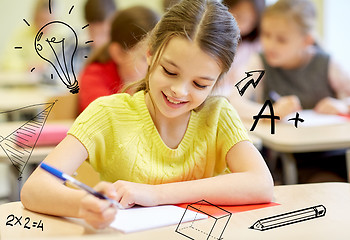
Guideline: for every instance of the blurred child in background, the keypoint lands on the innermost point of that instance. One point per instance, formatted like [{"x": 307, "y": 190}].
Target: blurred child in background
[
  {"x": 299, "y": 75},
  {"x": 98, "y": 15},
  {"x": 248, "y": 15},
  {"x": 297, "y": 69},
  {"x": 24, "y": 59},
  {"x": 122, "y": 60}
]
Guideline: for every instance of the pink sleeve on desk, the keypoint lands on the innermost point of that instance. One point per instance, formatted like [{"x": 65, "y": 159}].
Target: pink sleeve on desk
[
  {"x": 50, "y": 135},
  {"x": 214, "y": 211}
]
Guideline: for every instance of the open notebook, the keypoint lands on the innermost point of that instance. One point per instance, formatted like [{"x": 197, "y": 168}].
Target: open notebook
[{"x": 144, "y": 218}]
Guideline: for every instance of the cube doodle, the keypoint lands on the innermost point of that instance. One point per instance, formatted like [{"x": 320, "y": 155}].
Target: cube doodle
[{"x": 197, "y": 230}]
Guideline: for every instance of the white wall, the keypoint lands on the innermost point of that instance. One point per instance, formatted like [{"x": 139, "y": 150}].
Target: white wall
[{"x": 337, "y": 30}]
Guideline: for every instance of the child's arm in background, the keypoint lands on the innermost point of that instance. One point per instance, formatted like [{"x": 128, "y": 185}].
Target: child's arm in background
[
  {"x": 44, "y": 193},
  {"x": 339, "y": 79},
  {"x": 250, "y": 182}
]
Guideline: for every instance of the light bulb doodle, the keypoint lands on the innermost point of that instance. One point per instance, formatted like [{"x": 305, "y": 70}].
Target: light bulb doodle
[
  {"x": 43, "y": 39},
  {"x": 66, "y": 50},
  {"x": 19, "y": 145}
]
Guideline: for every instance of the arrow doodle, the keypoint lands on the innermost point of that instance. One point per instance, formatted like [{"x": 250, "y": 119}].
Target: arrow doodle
[{"x": 249, "y": 81}]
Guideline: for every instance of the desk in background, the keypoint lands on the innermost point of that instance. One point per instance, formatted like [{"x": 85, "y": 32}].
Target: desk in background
[
  {"x": 334, "y": 225},
  {"x": 18, "y": 91},
  {"x": 288, "y": 140}
]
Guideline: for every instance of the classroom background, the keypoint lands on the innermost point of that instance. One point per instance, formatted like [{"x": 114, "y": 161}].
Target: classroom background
[{"x": 332, "y": 17}]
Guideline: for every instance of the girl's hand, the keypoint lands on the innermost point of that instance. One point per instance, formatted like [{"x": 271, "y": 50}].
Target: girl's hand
[
  {"x": 287, "y": 105},
  {"x": 96, "y": 212},
  {"x": 330, "y": 105},
  {"x": 130, "y": 194}
]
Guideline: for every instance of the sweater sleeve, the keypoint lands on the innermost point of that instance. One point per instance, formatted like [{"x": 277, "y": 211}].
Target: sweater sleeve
[
  {"x": 230, "y": 130},
  {"x": 91, "y": 128}
]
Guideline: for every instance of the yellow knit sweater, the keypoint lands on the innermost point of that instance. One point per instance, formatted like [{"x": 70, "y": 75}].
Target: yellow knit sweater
[{"x": 124, "y": 144}]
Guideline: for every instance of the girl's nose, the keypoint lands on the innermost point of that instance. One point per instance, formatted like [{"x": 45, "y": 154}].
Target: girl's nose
[{"x": 179, "y": 89}]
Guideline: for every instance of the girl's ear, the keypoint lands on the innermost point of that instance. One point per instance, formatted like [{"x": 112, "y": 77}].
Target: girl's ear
[
  {"x": 116, "y": 52},
  {"x": 149, "y": 57}
]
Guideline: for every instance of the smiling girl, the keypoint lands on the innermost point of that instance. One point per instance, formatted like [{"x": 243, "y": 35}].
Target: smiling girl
[{"x": 168, "y": 143}]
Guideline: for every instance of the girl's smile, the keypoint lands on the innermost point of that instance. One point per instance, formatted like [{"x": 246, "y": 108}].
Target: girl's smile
[{"x": 173, "y": 102}]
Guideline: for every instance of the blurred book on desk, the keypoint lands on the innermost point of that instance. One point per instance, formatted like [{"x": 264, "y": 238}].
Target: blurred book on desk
[{"x": 313, "y": 119}]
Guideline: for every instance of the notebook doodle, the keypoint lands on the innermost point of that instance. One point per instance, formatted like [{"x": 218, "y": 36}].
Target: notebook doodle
[{"x": 19, "y": 145}]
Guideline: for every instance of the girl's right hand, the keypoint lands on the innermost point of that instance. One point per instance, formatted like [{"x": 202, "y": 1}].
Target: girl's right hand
[
  {"x": 287, "y": 105},
  {"x": 96, "y": 212}
]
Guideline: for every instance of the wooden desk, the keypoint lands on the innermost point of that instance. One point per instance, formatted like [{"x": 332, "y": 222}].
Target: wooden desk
[
  {"x": 288, "y": 140},
  {"x": 334, "y": 225}
]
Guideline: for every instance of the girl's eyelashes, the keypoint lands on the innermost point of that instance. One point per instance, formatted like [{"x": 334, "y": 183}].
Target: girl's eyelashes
[
  {"x": 168, "y": 73},
  {"x": 175, "y": 74},
  {"x": 199, "y": 86}
]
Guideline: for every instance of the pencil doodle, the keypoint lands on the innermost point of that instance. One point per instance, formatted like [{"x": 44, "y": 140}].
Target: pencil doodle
[
  {"x": 249, "y": 80},
  {"x": 19, "y": 145},
  {"x": 289, "y": 218},
  {"x": 195, "y": 231}
]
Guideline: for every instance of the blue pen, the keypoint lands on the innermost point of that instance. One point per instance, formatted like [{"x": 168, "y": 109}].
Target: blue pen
[
  {"x": 66, "y": 177},
  {"x": 274, "y": 96}
]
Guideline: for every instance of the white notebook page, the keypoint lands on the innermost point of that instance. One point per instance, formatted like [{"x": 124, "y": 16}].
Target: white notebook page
[{"x": 144, "y": 218}]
